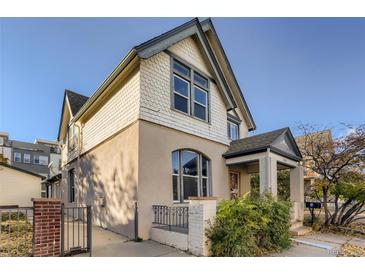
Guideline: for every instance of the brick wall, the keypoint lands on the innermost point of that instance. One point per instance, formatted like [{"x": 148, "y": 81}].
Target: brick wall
[{"x": 46, "y": 227}]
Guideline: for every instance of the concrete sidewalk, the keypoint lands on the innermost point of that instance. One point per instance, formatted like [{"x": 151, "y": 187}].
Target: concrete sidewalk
[
  {"x": 319, "y": 245},
  {"x": 110, "y": 244}
]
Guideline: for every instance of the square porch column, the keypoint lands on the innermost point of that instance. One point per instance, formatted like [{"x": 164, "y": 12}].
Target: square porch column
[
  {"x": 297, "y": 192},
  {"x": 268, "y": 175}
]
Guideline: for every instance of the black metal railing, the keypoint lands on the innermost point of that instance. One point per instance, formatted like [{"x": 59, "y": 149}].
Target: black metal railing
[
  {"x": 173, "y": 218},
  {"x": 76, "y": 228},
  {"x": 16, "y": 231}
]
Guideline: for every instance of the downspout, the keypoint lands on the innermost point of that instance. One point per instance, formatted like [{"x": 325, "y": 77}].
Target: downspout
[{"x": 78, "y": 151}]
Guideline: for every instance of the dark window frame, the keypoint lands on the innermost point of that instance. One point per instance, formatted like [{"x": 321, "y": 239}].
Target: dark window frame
[
  {"x": 229, "y": 123},
  {"x": 192, "y": 84},
  {"x": 180, "y": 175},
  {"x": 71, "y": 185}
]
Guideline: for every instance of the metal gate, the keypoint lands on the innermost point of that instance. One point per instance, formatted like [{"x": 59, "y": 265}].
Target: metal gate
[
  {"x": 16, "y": 231},
  {"x": 76, "y": 230}
]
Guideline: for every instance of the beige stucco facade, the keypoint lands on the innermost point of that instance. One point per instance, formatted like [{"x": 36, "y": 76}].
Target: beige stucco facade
[
  {"x": 106, "y": 178},
  {"x": 127, "y": 135},
  {"x": 18, "y": 187},
  {"x": 155, "y": 169},
  {"x": 135, "y": 166}
]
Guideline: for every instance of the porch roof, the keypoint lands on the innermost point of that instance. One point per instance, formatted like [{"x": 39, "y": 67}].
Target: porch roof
[{"x": 280, "y": 141}]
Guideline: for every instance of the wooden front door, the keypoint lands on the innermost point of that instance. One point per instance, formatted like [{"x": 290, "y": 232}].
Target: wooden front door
[{"x": 234, "y": 179}]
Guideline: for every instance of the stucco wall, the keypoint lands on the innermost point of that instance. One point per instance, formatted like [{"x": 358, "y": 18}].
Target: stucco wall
[
  {"x": 156, "y": 95},
  {"x": 18, "y": 188},
  {"x": 108, "y": 174},
  {"x": 155, "y": 181}
]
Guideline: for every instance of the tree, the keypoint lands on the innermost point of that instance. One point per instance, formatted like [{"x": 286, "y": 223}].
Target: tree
[{"x": 340, "y": 164}]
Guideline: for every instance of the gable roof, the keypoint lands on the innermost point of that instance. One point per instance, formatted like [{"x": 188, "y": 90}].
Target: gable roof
[
  {"x": 207, "y": 24},
  {"x": 76, "y": 101},
  {"x": 262, "y": 142},
  {"x": 21, "y": 170},
  {"x": 158, "y": 44}
]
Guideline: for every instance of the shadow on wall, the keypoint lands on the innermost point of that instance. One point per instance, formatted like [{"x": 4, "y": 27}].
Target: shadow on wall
[{"x": 109, "y": 186}]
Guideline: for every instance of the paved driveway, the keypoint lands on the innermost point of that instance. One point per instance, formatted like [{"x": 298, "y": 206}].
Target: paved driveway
[{"x": 109, "y": 244}]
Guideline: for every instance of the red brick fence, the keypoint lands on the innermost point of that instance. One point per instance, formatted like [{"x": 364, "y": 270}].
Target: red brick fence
[{"x": 46, "y": 229}]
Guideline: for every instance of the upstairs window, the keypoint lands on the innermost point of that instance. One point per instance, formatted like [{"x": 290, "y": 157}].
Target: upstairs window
[
  {"x": 190, "y": 91},
  {"x": 17, "y": 157},
  {"x": 40, "y": 160},
  {"x": 232, "y": 130},
  {"x": 26, "y": 158},
  {"x": 71, "y": 185}
]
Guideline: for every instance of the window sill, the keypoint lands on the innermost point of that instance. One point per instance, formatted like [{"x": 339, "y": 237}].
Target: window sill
[{"x": 190, "y": 116}]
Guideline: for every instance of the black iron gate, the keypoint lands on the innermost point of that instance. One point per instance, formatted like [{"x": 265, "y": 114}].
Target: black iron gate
[{"x": 76, "y": 230}]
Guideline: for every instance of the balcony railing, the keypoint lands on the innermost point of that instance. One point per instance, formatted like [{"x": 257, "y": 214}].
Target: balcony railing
[{"x": 173, "y": 218}]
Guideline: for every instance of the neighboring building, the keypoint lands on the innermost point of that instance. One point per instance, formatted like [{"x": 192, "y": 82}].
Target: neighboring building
[
  {"x": 169, "y": 123},
  {"x": 18, "y": 186},
  {"x": 5, "y": 148},
  {"x": 310, "y": 176},
  {"x": 41, "y": 157},
  {"x": 34, "y": 157}
]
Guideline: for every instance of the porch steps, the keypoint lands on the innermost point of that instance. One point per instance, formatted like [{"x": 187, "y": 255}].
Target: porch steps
[{"x": 300, "y": 230}]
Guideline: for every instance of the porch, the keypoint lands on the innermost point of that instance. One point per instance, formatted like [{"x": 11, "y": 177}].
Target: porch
[{"x": 265, "y": 155}]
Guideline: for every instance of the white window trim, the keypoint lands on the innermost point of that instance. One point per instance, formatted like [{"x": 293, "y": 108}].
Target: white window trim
[
  {"x": 15, "y": 157},
  {"x": 29, "y": 161},
  {"x": 230, "y": 132}
]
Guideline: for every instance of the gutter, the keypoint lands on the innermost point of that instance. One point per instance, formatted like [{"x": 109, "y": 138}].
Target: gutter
[{"x": 117, "y": 70}]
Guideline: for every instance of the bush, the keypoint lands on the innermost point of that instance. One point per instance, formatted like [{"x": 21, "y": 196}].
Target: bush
[{"x": 250, "y": 226}]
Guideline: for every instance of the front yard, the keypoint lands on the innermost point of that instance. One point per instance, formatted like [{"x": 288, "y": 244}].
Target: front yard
[{"x": 15, "y": 235}]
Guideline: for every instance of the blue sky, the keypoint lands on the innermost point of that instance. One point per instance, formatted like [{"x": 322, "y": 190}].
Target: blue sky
[{"x": 290, "y": 69}]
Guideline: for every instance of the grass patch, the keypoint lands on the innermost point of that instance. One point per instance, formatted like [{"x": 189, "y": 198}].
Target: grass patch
[
  {"x": 16, "y": 235},
  {"x": 349, "y": 250}
]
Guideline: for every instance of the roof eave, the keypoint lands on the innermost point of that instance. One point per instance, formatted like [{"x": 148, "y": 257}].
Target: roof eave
[
  {"x": 165, "y": 40},
  {"x": 117, "y": 70},
  {"x": 208, "y": 22}
]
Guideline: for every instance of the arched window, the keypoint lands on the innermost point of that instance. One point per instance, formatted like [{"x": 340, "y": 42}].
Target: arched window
[{"x": 190, "y": 175}]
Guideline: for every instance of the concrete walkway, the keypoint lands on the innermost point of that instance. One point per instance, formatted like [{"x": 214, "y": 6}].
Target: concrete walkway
[
  {"x": 109, "y": 244},
  {"x": 319, "y": 245}
]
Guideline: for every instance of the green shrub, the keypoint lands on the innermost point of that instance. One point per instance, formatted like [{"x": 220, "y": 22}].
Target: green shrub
[{"x": 250, "y": 226}]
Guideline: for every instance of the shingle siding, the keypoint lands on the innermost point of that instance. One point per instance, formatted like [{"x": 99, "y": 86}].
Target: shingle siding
[
  {"x": 156, "y": 95},
  {"x": 118, "y": 112}
]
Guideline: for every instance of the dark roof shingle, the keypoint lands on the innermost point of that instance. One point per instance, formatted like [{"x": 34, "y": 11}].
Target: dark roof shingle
[
  {"x": 254, "y": 143},
  {"x": 76, "y": 101}
]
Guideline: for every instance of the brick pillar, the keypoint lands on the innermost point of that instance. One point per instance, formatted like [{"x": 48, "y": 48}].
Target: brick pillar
[
  {"x": 46, "y": 227},
  {"x": 201, "y": 211}
]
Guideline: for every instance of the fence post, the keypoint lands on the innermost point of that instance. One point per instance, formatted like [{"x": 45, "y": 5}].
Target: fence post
[
  {"x": 201, "y": 211},
  {"x": 89, "y": 230},
  {"x": 62, "y": 230},
  {"x": 47, "y": 227}
]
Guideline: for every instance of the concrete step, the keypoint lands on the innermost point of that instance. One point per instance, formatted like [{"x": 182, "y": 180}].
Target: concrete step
[
  {"x": 300, "y": 231},
  {"x": 296, "y": 224}
]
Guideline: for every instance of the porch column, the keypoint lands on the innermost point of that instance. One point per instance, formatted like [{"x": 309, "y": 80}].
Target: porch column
[
  {"x": 268, "y": 175},
  {"x": 297, "y": 192}
]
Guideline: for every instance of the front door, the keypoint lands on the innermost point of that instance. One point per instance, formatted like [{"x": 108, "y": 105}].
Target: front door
[{"x": 234, "y": 178}]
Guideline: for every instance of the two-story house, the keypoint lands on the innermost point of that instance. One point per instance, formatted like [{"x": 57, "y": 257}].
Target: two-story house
[{"x": 170, "y": 122}]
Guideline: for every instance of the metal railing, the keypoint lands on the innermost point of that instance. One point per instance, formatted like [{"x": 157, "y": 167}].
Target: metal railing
[
  {"x": 16, "y": 231},
  {"x": 173, "y": 218},
  {"x": 76, "y": 229}
]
